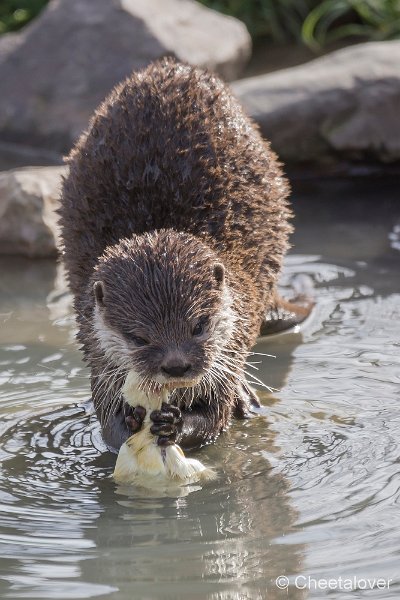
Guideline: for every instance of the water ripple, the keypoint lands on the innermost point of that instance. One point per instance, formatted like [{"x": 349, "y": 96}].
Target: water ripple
[{"x": 311, "y": 485}]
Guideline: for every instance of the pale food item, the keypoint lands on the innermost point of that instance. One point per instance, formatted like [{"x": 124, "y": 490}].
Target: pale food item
[{"x": 141, "y": 460}]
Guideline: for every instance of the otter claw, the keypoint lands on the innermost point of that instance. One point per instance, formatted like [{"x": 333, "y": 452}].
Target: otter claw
[
  {"x": 157, "y": 416},
  {"x": 165, "y": 407},
  {"x": 135, "y": 420},
  {"x": 166, "y": 441},
  {"x": 162, "y": 429},
  {"x": 167, "y": 423}
]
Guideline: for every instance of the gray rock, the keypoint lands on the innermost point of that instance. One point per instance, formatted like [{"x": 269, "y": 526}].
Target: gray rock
[
  {"x": 63, "y": 64},
  {"x": 345, "y": 104},
  {"x": 29, "y": 198}
]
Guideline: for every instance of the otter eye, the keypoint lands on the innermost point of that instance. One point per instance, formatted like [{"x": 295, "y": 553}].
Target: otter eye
[
  {"x": 139, "y": 341},
  {"x": 198, "y": 329}
]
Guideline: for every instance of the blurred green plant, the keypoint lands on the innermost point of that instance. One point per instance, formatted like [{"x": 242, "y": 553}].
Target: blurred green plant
[
  {"x": 315, "y": 23},
  {"x": 280, "y": 20},
  {"x": 14, "y": 14},
  {"x": 335, "y": 20}
]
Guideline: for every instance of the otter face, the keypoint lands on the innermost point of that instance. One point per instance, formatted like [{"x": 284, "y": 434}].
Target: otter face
[{"x": 162, "y": 308}]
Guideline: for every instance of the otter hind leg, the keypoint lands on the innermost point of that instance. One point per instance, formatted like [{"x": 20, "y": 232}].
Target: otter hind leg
[
  {"x": 285, "y": 315},
  {"x": 246, "y": 400}
]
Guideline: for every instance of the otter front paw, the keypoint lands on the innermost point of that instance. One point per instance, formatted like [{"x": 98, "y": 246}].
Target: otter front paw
[
  {"x": 135, "y": 419},
  {"x": 167, "y": 424}
]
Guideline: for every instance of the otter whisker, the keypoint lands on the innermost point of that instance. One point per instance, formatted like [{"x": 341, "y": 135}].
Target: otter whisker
[
  {"x": 102, "y": 375},
  {"x": 243, "y": 381},
  {"x": 103, "y": 381},
  {"x": 145, "y": 385},
  {"x": 253, "y": 365},
  {"x": 257, "y": 381},
  {"x": 218, "y": 378},
  {"x": 262, "y": 354},
  {"x": 190, "y": 399},
  {"x": 109, "y": 407},
  {"x": 115, "y": 400}
]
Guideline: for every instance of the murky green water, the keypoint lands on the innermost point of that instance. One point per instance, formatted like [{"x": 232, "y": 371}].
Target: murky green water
[{"x": 310, "y": 487}]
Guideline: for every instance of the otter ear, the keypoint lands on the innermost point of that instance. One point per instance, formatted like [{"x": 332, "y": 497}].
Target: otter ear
[
  {"x": 219, "y": 273},
  {"x": 98, "y": 290}
]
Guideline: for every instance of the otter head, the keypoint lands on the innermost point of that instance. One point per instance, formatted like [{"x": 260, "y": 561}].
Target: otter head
[{"x": 162, "y": 308}]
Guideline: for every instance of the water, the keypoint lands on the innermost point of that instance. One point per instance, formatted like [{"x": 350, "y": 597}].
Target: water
[{"x": 309, "y": 487}]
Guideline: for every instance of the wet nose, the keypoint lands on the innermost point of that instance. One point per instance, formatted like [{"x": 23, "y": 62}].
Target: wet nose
[{"x": 175, "y": 370}]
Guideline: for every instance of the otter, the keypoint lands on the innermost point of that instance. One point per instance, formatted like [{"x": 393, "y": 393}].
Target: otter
[{"x": 174, "y": 222}]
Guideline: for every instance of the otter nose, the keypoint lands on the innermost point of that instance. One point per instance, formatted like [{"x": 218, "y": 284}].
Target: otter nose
[{"x": 175, "y": 369}]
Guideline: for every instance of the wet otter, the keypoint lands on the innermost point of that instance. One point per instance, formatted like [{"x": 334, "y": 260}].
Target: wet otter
[{"x": 174, "y": 224}]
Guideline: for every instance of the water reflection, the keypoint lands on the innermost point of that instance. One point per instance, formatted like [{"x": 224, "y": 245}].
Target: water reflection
[
  {"x": 211, "y": 542},
  {"x": 61, "y": 513}
]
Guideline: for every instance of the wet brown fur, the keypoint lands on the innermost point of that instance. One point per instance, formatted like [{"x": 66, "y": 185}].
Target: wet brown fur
[{"x": 171, "y": 149}]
